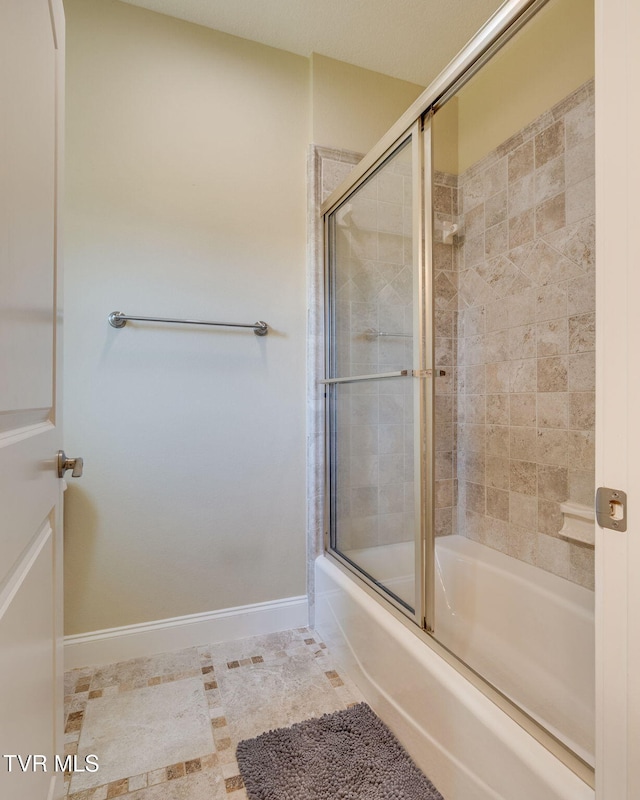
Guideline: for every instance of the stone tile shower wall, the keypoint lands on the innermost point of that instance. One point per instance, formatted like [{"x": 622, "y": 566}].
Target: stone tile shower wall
[
  {"x": 374, "y": 296},
  {"x": 445, "y": 294},
  {"x": 521, "y": 275}
]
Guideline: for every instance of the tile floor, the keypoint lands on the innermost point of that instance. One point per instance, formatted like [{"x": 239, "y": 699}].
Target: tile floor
[{"x": 166, "y": 727}]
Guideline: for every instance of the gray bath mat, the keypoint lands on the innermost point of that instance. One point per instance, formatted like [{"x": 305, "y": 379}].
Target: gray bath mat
[{"x": 350, "y": 755}]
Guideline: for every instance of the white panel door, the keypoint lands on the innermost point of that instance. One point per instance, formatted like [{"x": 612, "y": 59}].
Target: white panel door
[
  {"x": 618, "y": 396},
  {"x": 31, "y": 81}
]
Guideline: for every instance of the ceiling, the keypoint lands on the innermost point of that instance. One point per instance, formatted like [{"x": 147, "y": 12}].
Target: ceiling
[{"x": 408, "y": 39}]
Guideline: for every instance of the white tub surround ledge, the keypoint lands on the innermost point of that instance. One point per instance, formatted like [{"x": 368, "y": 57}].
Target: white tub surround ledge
[{"x": 579, "y": 523}]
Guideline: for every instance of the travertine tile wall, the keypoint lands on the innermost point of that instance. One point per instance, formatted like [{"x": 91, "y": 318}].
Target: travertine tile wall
[
  {"x": 374, "y": 296},
  {"x": 522, "y": 277},
  {"x": 514, "y": 330},
  {"x": 445, "y": 295}
]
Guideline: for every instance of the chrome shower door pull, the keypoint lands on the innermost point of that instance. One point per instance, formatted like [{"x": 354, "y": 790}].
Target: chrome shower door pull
[{"x": 65, "y": 464}]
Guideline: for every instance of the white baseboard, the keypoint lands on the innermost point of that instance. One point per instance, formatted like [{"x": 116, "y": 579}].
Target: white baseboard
[{"x": 162, "y": 636}]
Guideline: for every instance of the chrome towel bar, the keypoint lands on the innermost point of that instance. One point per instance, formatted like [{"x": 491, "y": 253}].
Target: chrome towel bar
[{"x": 118, "y": 319}]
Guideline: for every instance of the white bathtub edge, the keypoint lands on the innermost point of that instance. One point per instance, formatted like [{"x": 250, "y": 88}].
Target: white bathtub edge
[
  {"x": 468, "y": 746},
  {"x": 412, "y": 723}
]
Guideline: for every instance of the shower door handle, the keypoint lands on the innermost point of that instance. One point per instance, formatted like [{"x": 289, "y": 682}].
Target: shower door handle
[
  {"x": 64, "y": 464},
  {"x": 376, "y": 376}
]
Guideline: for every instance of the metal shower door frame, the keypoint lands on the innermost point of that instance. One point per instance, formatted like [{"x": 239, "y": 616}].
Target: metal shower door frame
[
  {"x": 416, "y": 122},
  {"x": 499, "y": 29},
  {"x": 419, "y": 135}
]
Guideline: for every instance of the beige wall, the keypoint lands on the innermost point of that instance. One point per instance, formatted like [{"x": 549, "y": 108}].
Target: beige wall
[
  {"x": 186, "y": 196},
  {"x": 445, "y": 138},
  {"x": 354, "y": 107}
]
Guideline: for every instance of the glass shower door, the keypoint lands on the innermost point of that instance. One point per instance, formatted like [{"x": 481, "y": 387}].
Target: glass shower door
[
  {"x": 374, "y": 352},
  {"x": 456, "y": 496},
  {"x": 514, "y": 296}
]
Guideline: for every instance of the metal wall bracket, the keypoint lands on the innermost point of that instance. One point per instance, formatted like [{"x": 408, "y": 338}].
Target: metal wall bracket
[{"x": 611, "y": 508}]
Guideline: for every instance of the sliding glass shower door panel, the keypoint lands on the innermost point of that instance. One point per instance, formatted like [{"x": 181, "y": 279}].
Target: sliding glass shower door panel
[
  {"x": 373, "y": 350},
  {"x": 373, "y": 517},
  {"x": 514, "y": 285},
  {"x": 371, "y": 273}
]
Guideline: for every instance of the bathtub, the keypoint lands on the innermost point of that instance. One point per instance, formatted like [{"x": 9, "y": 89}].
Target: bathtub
[{"x": 539, "y": 626}]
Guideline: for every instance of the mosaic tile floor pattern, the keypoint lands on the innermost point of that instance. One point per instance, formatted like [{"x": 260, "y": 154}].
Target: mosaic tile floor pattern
[{"x": 166, "y": 727}]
